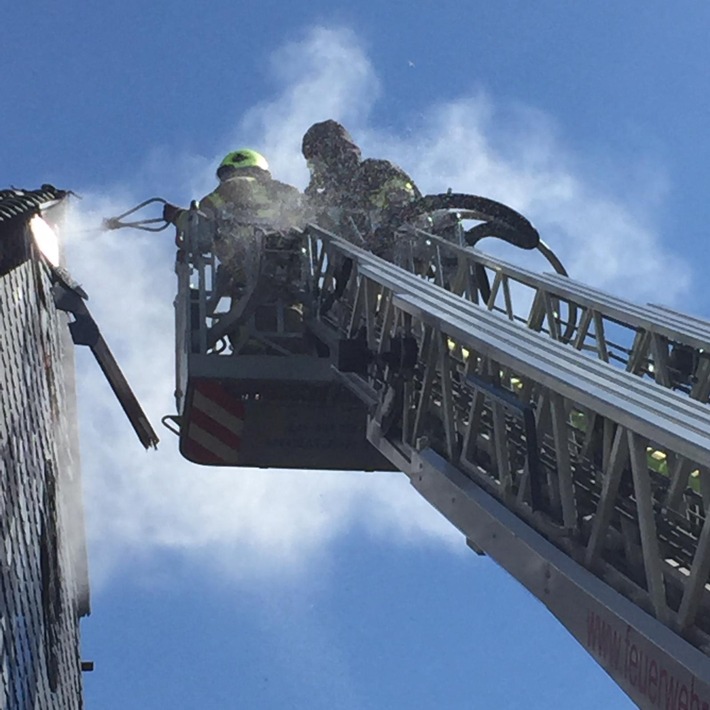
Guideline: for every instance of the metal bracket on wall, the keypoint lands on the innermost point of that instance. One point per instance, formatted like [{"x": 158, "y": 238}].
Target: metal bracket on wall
[{"x": 85, "y": 331}]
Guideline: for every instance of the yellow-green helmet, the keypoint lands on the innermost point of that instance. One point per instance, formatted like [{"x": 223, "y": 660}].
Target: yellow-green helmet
[{"x": 242, "y": 158}]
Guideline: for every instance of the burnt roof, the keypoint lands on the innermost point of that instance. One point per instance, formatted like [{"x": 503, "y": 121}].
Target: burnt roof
[
  {"x": 17, "y": 203},
  {"x": 16, "y": 209}
]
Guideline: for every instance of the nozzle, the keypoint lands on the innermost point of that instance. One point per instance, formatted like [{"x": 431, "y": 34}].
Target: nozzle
[{"x": 110, "y": 223}]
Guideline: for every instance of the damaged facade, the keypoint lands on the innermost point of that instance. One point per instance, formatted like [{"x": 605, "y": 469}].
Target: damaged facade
[{"x": 43, "y": 570}]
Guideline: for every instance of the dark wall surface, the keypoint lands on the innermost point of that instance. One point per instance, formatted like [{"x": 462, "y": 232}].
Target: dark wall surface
[{"x": 43, "y": 577}]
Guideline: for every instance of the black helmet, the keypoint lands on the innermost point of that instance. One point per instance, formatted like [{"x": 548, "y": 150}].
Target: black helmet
[{"x": 330, "y": 142}]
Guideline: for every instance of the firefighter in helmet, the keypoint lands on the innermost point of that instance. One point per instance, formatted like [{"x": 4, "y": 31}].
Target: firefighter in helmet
[
  {"x": 246, "y": 203},
  {"x": 358, "y": 198},
  {"x": 246, "y": 193}
]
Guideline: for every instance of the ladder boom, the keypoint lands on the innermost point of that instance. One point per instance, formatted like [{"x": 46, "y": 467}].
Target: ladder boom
[{"x": 542, "y": 455}]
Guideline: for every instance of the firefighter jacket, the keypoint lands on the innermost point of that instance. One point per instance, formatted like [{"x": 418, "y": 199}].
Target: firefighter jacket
[
  {"x": 233, "y": 219},
  {"x": 362, "y": 200},
  {"x": 249, "y": 200},
  {"x": 270, "y": 203}
]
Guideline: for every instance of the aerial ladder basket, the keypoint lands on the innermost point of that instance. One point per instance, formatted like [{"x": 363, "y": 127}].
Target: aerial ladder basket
[{"x": 254, "y": 385}]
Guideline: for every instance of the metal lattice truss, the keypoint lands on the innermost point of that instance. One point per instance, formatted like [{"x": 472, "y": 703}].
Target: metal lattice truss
[
  {"x": 562, "y": 440},
  {"x": 655, "y": 341}
]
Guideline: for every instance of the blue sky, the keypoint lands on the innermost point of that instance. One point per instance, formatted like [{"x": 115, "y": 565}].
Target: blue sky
[{"x": 225, "y": 589}]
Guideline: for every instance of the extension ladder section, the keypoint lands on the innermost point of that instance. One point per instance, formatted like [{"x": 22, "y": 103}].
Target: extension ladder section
[{"x": 651, "y": 340}]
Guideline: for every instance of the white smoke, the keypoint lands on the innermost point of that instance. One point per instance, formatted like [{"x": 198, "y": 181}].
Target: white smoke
[
  {"x": 249, "y": 523},
  {"x": 472, "y": 144},
  {"x": 602, "y": 238},
  {"x": 325, "y": 75}
]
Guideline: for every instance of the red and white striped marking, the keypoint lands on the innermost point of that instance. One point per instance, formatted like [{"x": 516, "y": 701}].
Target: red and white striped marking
[{"x": 215, "y": 423}]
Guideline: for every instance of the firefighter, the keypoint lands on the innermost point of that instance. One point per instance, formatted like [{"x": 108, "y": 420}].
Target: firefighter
[
  {"x": 357, "y": 198},
  {"x": 246, "y": 194},
  {"x": 247, "y": 202},
  {"x": 333, "y": 159},
  {"x": 234, "y": 222}
]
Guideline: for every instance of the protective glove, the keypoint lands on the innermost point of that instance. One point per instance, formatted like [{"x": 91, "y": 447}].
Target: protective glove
[{"x": 170, "y": 212}]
